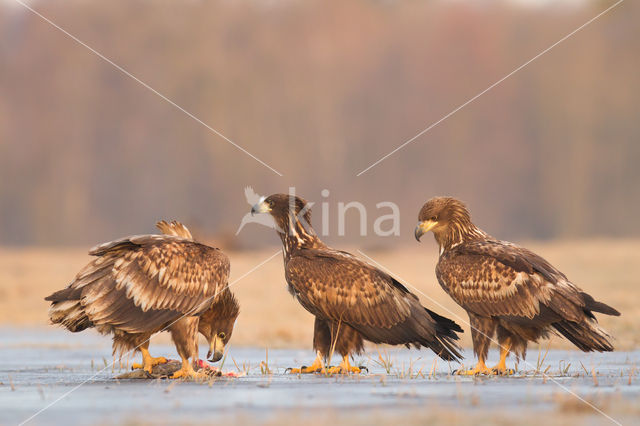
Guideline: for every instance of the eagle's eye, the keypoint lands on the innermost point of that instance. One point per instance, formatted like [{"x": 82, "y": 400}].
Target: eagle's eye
[
  {"x": 271, "y": 203},
  {"x": 222, "y": 335},
  {"x": 434, "y": 218}
]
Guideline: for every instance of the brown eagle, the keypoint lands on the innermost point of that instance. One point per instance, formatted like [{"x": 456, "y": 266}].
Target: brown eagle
[
  {"x": 351, "y": 300},
  {"x": 140, "y": 285},
  {"x": 507, "y": 289}
]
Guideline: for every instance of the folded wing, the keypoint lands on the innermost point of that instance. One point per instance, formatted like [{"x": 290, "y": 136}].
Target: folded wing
[{"x": 337, "y": 286}]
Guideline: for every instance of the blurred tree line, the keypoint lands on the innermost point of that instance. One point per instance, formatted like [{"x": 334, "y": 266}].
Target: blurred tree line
[{"x": 319, "y": 91}]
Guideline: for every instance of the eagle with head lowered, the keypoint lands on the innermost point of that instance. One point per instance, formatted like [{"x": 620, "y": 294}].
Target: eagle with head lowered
[
  {"x": 507, "y": 289},
  {"x": 138, "y": 286},
  {"x": 351, "y": 300}
]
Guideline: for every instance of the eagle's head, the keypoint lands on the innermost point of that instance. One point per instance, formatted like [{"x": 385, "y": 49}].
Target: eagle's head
[
  {"x": 286, "y": 210},
  {"x": 444, "y": 216},
  {"x": 216, "y": 324}
]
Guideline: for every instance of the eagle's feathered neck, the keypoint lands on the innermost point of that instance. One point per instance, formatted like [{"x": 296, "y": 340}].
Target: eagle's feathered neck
[
  {"x": 459, "y": 229},
  {"x": 296, "y": 233}
]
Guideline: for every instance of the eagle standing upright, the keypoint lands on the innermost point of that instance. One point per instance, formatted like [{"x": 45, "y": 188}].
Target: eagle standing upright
[
  {"x": 507, "y": 289},
  {"x": 351, "y": 300},
  {"x": 140, "y": 285}
]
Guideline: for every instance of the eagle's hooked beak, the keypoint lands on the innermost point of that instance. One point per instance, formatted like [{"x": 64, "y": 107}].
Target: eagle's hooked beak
[
  {"x": 260, "y": 207},
  {"x": 216, "y": 349},
  {"x": 424, "y": 227}
]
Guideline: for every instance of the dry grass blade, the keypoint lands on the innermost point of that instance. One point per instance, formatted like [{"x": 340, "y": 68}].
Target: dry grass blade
[
  {"x": 540, "y": 361},
  {"x": 236, "y": 365},
  {"x": 586, "y": 372},
  {"x": 384, "y": 362},
  {"x": 264, "y": 365},
  {"x": 434, "y": 366}
]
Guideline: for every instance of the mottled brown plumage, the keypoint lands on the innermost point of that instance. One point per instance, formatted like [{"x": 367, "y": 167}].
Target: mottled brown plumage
[
  {"x": 507, "y": 289},
  {"x": 216, "y": 323},
  {"x": 140, "y": 285},
  {"x": 351, "y": 299}
]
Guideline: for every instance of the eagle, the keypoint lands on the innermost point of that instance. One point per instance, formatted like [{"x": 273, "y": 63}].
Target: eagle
[
  {"x": 351, "y": 300},
  {"x": 506, "y": 289},
  {"x": 140, "y": 285}
]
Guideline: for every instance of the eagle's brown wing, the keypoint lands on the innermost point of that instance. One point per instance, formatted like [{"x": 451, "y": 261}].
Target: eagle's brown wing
[
  {"x": 138, "y": 284},
  {"x": 496, "y": 278},
  {"x": 337, "y": 286}
]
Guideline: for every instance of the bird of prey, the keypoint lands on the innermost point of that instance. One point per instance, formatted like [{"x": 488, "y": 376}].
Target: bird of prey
[
  {"x": 140, "y": 285},
  {"x": 506, "y": 289},
  {"x": 351, "y": 300}
]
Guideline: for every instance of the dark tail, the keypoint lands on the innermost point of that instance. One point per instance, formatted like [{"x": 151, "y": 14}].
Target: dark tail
[
  {"x": 445, "y": 345},
  {"x": 593, "y": 305},
  {"x": 586, "y": 335},
  {"x": 445, "y": 325},
  {"x": 422, "y": 328}
]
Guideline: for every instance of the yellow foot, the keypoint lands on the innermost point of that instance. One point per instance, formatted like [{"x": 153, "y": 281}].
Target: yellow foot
[
  {"x": 188, "y": 373},
  {"x": 149, "y": 363},
  {"x": 316, "y": 367},
  {"x": 501, "y": 370},
  {"x": 306, "y": 370},
  {"x": 478, "y": 369},
  {"x": 340, "y": 369}
]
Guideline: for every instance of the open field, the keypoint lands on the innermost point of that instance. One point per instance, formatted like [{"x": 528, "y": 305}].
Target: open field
[{"x": 270, "y": 318}]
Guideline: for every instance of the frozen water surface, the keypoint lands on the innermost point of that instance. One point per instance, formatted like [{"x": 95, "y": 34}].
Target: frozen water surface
[{"x": 39, "y": 366}]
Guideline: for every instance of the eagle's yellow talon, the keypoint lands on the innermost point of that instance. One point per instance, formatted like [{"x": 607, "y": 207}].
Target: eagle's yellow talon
[
  {"x": 316, "y": 367},
  {"x": 502, "y": 371},
  {"x": 334, "y": 370},
  {"x": 188, "y": 373},
  {"x": 344, "y": 368},
  {"x": 177, "y": 375},
  {"x": 480, "y": 368},
  {"x": 180, "y": 374},
  {"x": 306, "y": 370},
  {"x": 160, "y": 360},
  {"x": 473, "y": 372},
  {"x": 148, "y": 362},
  {"x": 501, "y": 367}
]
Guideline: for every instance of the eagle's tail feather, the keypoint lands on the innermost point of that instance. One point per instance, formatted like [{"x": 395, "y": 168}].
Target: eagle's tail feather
[
  {"x": 445, "y": 325},
  {"x": 444, "y": 344},
  {"x": 586, "y": 335},
  {"x": 67, "y": 310},
  {"x": 593, "y": 305}
]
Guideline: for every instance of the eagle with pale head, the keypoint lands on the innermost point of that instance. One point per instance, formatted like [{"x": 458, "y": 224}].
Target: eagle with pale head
[{"x": 352, "y": 301}]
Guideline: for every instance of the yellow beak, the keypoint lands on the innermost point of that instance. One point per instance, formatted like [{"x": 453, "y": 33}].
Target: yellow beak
[
  {"x": 424, "y": 227},
  {"x": 216, "y": 349}
]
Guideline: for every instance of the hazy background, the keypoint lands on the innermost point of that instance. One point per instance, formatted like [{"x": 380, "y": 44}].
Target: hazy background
[{"x": 318, "y": 90}]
